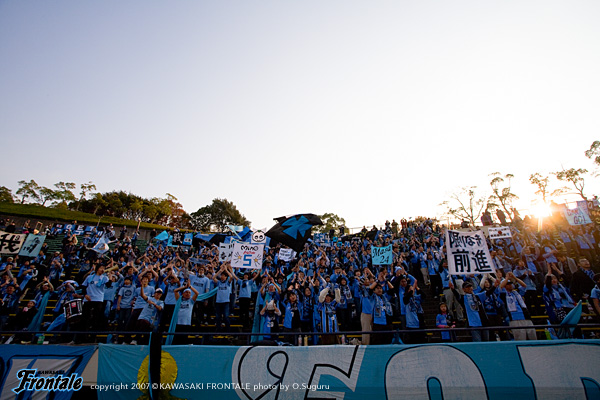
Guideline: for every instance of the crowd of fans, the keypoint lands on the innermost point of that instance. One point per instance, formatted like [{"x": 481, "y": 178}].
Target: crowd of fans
[{"x": 331, "y": 286}]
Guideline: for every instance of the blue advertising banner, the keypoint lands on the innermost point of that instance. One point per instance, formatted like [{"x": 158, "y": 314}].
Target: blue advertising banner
[
  {"x": 567, "y": 369},
  {"x": 42, "y": 372}
]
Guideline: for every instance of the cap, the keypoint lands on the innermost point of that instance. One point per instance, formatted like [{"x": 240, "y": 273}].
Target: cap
[
  {"x": 158, "y": 290},
  {"x": 509, "y": 282},
  {"x": 467, "y": 284}
]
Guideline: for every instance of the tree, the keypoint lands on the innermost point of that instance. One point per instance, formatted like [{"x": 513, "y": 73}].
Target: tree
[
  {"x": 502, "y": 196},
  {"x": 63, "y": 193},
  {"x": 466, "y": 204},
  {"x": 542, "y": 183},
  {"x": 85, "y": 189},
  {"x": 575, "y": 177},
  {"x": 330, "y": 221},
  {"x": 28, "y": 190},
  {"x": 594, "y": 152},
  {"x": 46, "y": 194},
  {"x": 97, "y": 202},
  {"x": 6, "y": 195},
  {"x": 215, "y": 216},
  {"x": 176, "y": 215}
]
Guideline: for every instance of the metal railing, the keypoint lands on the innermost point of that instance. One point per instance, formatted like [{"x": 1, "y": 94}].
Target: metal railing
[{"x": 206, "y": 336}]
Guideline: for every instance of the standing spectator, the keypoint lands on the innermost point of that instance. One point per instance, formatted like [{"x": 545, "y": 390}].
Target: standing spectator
[
  {"x": 184, "y": 316},
  {"x": 517, "y": 310},
  {"x": 595, "y": 296},
  {"x": 445, "y": 320},
  {"x": 382, "y": 311},
  {"x": 291, "y": 320},
  {"x": 448, "y": 285},
  {"x": 93, "y": 306},
  {"x": 583, "y": 280},
  {"x": 150, "y": 315},
  {"x": 222, "y": 280},
  {"x": 413, "y": 299},
  {"x": 476, "y": 315},
  {"x": 328, "y": 320}
]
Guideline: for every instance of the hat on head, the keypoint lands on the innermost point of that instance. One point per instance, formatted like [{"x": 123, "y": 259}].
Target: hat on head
[
  {"x": 467, "y": 284},
  {"x": 159, "y": 290}
]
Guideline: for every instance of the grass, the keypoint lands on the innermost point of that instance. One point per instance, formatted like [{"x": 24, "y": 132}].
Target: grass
[{"x": 61, "y": 215}]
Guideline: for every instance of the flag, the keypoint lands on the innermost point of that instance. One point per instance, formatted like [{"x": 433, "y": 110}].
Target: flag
[
  {"x": 102, "y": 245},
  {"x": 162, "y": 236},
  {"x": 572, "y": 318},
  {"x": 294, "y": 231},
  {"x": 203, "y": 237}
]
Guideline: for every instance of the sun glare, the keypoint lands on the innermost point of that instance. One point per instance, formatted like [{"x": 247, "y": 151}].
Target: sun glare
[{"x": 541, "y": 210}]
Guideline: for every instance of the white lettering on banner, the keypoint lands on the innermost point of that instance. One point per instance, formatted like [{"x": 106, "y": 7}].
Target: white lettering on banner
[
  {"x": 408, "y": 372},
  {"x": 41, "y": 364},
  {"x": 247, "y": 256},
  {"x": 468, "y": 253},
  {"x": 277, "y": 367},
  {"x": 557, "y": 371}
]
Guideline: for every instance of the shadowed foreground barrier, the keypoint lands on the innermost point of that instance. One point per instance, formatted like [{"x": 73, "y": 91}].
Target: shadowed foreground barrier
[{"x": 568, "y": 369}]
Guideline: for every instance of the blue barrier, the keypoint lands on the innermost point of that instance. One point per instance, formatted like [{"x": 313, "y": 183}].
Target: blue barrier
[{"x": 567, "y": 369}]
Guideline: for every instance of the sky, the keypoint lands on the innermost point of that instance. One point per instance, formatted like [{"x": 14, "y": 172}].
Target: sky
[{"x": 369, "y": 110}]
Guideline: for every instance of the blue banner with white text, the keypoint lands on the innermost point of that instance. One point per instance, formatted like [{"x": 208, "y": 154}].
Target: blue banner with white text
[
  {"x": 567, "y": 369},
  {"x": 42, "y": 372}
]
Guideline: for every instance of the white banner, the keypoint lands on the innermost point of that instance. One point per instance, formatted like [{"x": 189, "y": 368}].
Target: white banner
[
  {"x": 247, "y": 255},
  {"x": 225, "y": 251},
  {"x": 468, "y": 253},
  {"x": 578, "y": 215},
  {"x": 32, "y": 246},
  {"x": 286, "y": 254},
  {"x": 501, "y": 232},
  {"x": 10, "y": 243}
]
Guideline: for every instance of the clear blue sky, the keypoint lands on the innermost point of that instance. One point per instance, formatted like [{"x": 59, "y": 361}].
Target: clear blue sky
[{"x": 371, "y": 110}]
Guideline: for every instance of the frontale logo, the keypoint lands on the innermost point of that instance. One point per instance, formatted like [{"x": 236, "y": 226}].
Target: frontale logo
[{"x": 57, "y": 383}]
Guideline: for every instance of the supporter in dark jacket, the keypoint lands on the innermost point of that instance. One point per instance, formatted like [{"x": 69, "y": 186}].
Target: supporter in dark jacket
[{"x": 583, "y": 280}]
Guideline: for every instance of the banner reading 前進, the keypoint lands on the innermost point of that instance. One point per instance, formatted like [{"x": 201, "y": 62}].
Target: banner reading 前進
[
  {"x": 468, "y": 253},
  {"x": 382, "y": 255},
  {"x": 246, "y": 255},
  {"x": 10, "y": 243}
]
